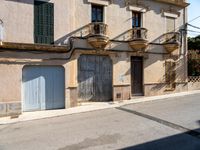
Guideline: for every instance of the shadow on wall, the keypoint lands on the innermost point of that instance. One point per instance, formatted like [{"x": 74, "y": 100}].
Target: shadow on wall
[
  {"x": 9, "y": 57},
  {"x": 44, "y": 83},
  {"x": 80, "y": 32},
  {"x": 23, "y": 1},
  {"x": 179, "y": 78}
]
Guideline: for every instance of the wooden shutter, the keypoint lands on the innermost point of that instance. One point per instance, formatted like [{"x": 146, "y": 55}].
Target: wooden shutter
[
  {"x": 167, "y": 72},
  {"x": 43, "y": 22},
  {"x": 170, "y": 24},
  {"x": 173, "y": 75},
  {"x": 170, "y": 75}
]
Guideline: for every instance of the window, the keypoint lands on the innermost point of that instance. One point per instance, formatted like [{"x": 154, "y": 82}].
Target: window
[
  {"x": 170, "y": 23},
  {"x": 43, "y": 22},
  {"x": 136, "y": 19},
  {"x": 97, "y": 13},
  {"x": 170, "y": 75}
]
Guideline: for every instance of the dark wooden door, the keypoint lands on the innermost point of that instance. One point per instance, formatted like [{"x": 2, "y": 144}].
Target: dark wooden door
[
  {"x": 95, "y": 78},
  {"x": 137, "y": 75}
]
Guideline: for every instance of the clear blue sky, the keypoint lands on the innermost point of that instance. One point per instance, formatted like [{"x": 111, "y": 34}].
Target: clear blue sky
[{"x": 193, "y": 12}]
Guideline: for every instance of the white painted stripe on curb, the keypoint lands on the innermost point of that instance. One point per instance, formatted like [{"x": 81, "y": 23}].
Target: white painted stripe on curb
[{"x": 28, "y": 116}]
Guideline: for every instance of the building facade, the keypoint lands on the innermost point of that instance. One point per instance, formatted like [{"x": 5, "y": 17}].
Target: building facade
[{"x": 59, "y": 54}]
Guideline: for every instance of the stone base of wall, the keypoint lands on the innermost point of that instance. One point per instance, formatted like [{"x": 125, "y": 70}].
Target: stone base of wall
[
  {"x": 193, "y": 86},
  {"x": 10, "y": 109},
  {"x": 160, "y": 89},
  {"x": 73, "y": 97},
  {"x": 121, "y": 92}
]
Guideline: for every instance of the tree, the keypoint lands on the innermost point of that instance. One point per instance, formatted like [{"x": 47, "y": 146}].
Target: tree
[{"x": 194, "y": 43}]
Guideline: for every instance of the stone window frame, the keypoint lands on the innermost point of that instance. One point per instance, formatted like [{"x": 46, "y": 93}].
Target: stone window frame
[
  {"x": 103, "y": 3},
  {"x": 100, "y": 2},
  {"x": 139, "y": 9},
  {"x": 172, "y": 13}
]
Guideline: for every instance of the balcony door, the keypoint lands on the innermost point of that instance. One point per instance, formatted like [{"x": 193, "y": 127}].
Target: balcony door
[
  {"x": 97, "y": 13},
  {"x": 136, "y": 19},
  {"x": 136, "y": 23}
]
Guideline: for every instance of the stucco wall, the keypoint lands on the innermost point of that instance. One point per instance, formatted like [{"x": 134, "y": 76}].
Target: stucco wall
[
  {"x": 154, "y": 69},
  {"x": 118, "y": 19},
  {"x": 10, "y": 83},
  {"x": 121, "y": 69},
  {"x": 11, "y": 68},
  {"x": 71, "y": 15},
  {"x": 17, "y": 17}
]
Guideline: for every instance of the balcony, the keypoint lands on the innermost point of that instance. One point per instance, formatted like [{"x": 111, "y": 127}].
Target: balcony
[
  {"x": 98, "y": 35},
  {"x": 171, "y": 41},
  {"x": 138, "y": 40},
  {"x": 181, "y": 3}
]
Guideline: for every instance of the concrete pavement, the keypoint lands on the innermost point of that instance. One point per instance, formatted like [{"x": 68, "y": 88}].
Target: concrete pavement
[
  {"x": 154, "y": 125},
  {"x": 87, "y": 107}
]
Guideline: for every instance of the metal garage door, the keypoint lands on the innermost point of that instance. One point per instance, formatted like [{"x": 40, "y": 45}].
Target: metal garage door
[
  {"x": 43, "y": 88},
  {"x": 95, "y": 78}
]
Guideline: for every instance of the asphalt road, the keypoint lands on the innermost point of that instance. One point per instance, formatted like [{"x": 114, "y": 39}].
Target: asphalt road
[{"x": 169, "y": 124}]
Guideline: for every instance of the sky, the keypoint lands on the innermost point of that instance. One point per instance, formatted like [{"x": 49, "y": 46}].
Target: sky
[{"x": 193, "y": 12}]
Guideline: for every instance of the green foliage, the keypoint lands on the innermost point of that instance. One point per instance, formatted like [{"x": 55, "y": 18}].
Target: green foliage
[
  {"x": 194, "y": 43},
  {"x": 194, "y": 67},
  {"x": 193, "y": 63}
]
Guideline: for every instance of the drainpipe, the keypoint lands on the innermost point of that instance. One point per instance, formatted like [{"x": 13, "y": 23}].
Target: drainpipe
[
  {"x": 185, "y": 51},
  {"x": 1, "y": 32}
]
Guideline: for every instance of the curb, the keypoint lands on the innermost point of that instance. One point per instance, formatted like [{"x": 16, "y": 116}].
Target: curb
[{"x": 29, "y": 116}]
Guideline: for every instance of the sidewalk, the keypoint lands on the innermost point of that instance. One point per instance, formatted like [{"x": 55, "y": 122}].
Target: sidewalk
[{"x": 87, "y": 107}]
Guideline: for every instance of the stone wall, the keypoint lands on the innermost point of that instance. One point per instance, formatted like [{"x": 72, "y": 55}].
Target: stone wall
[{"x": 194, "y": 83}]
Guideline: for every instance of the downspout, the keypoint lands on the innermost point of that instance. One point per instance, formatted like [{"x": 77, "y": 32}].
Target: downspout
[
  {"x": 185, "y": 51},
  {"x": 1, "y": 32}
]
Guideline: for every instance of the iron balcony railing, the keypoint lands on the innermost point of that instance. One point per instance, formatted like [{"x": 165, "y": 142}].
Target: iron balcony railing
[
  {"x": 98, "y": 29},
  {"x": 138, "y": 34},
  {"x": 172, "y": 37}
]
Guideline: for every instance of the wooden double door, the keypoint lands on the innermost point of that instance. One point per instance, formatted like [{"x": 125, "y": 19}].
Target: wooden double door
[
  {"x": 94, "y": 78},
  {"x": 137, "y": 76}
]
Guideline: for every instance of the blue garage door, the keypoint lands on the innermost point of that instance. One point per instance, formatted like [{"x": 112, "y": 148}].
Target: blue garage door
[{"x": 43, "y": 88}]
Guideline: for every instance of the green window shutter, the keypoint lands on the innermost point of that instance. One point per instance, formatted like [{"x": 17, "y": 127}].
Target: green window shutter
[{"x": 43, "y": 22}]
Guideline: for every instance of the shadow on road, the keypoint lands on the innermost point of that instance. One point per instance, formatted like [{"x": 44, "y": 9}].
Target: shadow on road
[
  {"x": 188, "y": 140},
  {"x": 176, "y": 142}
]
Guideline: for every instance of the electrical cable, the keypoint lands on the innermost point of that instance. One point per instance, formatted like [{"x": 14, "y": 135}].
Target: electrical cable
[
  {"x": 193, "y": 19},
  {"x": 193, "y": 31},
  {"x": 193, "y": 26}
]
